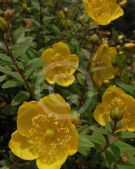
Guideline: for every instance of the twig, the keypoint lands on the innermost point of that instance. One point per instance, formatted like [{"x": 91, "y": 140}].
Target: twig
[{"x": 20, "y": 71}]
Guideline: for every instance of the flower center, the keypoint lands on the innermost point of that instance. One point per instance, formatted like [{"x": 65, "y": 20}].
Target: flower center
[
  {"x": 49, "y": 133},
  {"x": 116, "y": 114}
]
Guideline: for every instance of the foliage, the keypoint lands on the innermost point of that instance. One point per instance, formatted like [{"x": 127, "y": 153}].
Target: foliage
[{"x": 34, "y": 26}]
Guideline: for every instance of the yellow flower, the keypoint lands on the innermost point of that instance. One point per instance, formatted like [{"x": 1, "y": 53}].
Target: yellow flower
[
  {"x": 41, "y": 135},
  {"x": 103, "y": 11},
  {"x": 60, "y": 64},
  {"x": 113, "y": 99},
  {"x": 103, "y": 64}
]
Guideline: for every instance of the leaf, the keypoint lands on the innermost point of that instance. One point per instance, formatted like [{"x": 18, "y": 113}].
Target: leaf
[
  {"x": 124, "y": 146},
  {"x": 2, "y": 78},
  {"x": 85, "y": 141},
  {"x": 127, "y": 135},
  {"x": 6, "y": 70},
  {"x": 98, "y": 130},
  {"x": 98, "y": 138},
  {"x": 4, "y": 57},
  {"x": 21, "y": 47},
  {"x": 20, "y": 98},
  {"x": 11, "y": 83},
  {"x": 120, "y": 60},
  {"x": 80, "y": 78},
  {"x": 85, "y": 144},
  {"x": 125, "y": 166},
  {"x": 128, "y": 88}
]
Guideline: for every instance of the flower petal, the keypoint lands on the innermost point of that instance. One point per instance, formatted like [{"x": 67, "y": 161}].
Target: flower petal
[
  {"x": 54, "y": 104},
  {"x": 56, "y": 165},
  {"x": 26, "y": 113},
  {"x": 111, "y": 93},
  {"x": 72, "y": 64},
  {"x": 74, "y": 140},
  {"x": 65, "y": 81},
  {"x": 61, "y": 48},
  {"x": 101, "y": 115},
  {"x": 128, "y": 121},
  {"x": 21, "y": 148},
  {"x": 47, "y": 55}
]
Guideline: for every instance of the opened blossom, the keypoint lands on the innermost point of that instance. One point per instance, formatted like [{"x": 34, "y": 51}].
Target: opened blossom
[
  {"x": 113, "y": 99},
  {"x": 103, "y": 12},
  {"x": 103, "y": 64},
  {"x": 59, "y": 64},
  {"x": 42, "y": 135}
]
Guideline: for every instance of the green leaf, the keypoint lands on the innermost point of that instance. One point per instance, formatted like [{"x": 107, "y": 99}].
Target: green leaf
[
  {"x": 98, "y": 130},
  {"x": 20, "y": 98},
  {"x": 121, "y": 60},
  {"x": 4, "y": 57},
  {"x": 85, "y": 144},
  {"x": 6, "y": 70},
  {"x": 11, "y": 83},
  {"x": 128, "y": 88},
  {"x": 98, "y": 138},
  {"x": 126, "y": 166},
  {"x": 2, "y": 78},
  {"x": 124, "y": 146},
  {"x": 20, "y": 48},
  {"x": 126, "y": 135},
  {"x": 80, "y": 78},
  {"x": 85, "y": 141}
]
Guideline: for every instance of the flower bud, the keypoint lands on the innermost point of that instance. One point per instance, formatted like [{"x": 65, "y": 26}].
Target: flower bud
[
  {"x": 94, "y": 38},
  {"x": 123, "y": 3},
  {"x": 3, "y": 23},
  {"x": 129, "y": 45},
  {"x": 8, "y": 13},
  {"x": 24, "y": 6},
  {"x": 116, "y": 114},
  {"x": 124, "y": 159}
]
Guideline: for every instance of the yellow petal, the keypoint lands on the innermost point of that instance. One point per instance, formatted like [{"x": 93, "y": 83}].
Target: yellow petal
[
  {"x": 65, "y": 81},
  {"x": 105, "y": 54},
  {"x": 54, "y": 104},
  {"x": 26, "y": 113},
  {"x": 74, "y": 140},
  {"x": 110, "y": 93},
  {"x": 47, "y": 55},
  {"x": 102, "y": 75},
  {"x": 101, "y": 115},
  {"x": 61, "y": 48},
  {"x": 72, "y": 63},
  {"x": 49, "y": 76},
  {"x": 56, "y": 165},
  {"x": 128, "y": 121},
  {"x": 21, "y": 148}
]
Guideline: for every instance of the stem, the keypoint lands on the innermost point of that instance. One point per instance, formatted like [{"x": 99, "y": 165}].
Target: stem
[
  {"x": 20, "y": 71},
  {"x": 41, "y": 22}
]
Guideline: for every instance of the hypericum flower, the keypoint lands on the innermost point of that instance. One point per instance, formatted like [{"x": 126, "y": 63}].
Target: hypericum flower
[
  {"x": 115, "y": 99},
  {"x": 103, "y": 64},
  {"x": 41, "y": 135},
  {"x": 60, "y": 64},
  {"x": 103, "y": 11}
]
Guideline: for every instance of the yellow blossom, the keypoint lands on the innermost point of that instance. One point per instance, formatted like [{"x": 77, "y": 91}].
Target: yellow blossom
[
  {"x": 59, "y": 64},
  {"x": 103, "y": 11},
  {"x": 103, "y": 64},
  {"x": 41, "y": 135},
  {"x": 115, "y": 98}
]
